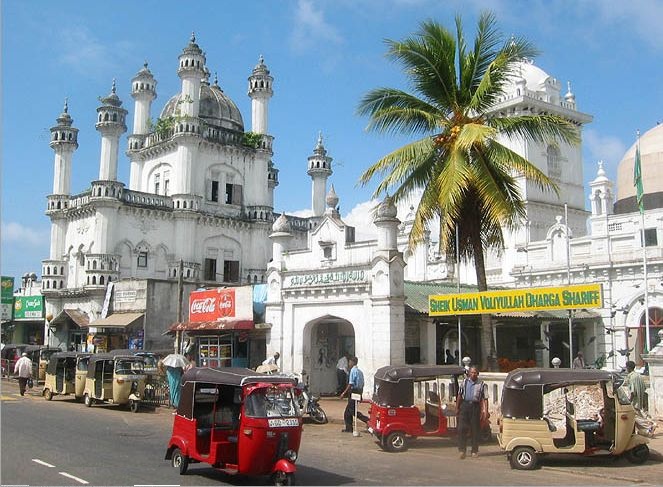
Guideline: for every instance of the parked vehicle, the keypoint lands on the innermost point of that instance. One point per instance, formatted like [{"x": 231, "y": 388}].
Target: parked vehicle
[
  {"x": 61, "y": 374},
  {"x": 40, "y": 356},
  {"x": 533, "y": 399},
  {"x": 394, "y": 418},
  {"x": 238, "y": 421},
  {"x": 82, "y": 363},
  {"x": 310, "y": 404},
  {"x": 115, "y": 378},
  {"x": 10, "y": 353}
]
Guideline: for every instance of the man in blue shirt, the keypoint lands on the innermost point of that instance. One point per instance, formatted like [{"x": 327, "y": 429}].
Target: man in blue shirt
[
  {"x": 355, "y": 386},
  {"x": 471, "y": 411}
]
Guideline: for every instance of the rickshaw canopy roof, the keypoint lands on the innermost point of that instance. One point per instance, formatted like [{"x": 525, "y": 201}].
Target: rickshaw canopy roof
[
  {"x": 51, "y": 368},
  {"x": 521, "y": 378},
  {"x": 99, "y": 357},
  {"x": 396, "y": 373},
  {"x": 235, "y": 376}
]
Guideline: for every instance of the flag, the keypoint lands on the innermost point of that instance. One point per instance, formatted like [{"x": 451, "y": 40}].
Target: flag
[{"x": 637, "y": 180}]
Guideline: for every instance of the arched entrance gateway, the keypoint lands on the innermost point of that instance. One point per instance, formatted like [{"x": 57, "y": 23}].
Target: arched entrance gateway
[{"x": 325, "y": 340}]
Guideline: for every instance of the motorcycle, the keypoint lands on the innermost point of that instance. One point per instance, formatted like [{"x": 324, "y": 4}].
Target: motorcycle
[{"x": 309, "y": 404}]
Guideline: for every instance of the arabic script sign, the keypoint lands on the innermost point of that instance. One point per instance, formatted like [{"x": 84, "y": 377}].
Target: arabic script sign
[{"x": 326, "y": 278}]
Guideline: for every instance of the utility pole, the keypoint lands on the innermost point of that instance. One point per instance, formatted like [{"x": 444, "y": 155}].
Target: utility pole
[
  {"x": 568, "y": 280},
  {"x": 180, "y": 292}
]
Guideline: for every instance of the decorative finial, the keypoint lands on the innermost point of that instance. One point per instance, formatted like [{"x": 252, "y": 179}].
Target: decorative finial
[
  {"x": 216, "y": 79},
  {"x": 262, "y": 59},
  {"x": 66, "y": 105},
  {"x": 568, "y": 86},
  {"x": 320, "y": 137},
  {"x": 601, "y": 171},
  {"x": 145, "y": 64},
  {"x": 113, "y": 88},
  {"x": 193, "y": 37}
]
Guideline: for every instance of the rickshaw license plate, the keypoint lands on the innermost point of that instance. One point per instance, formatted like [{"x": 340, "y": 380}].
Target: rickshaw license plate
[{"x": 283, "y": 422}]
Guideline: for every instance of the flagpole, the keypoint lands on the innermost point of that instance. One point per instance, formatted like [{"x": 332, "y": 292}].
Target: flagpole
[{"x": 639, "y": 195}]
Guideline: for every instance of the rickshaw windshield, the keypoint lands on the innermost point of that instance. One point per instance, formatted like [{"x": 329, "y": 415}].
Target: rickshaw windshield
[
  {"x": 128, "y": 366},
  {"x": 271, "y": 402},
  {"x": 82, "y": 364}
]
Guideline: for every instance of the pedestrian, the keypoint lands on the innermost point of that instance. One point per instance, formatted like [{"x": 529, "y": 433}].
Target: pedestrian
[
  {"x": 355, "y": 385},
  {"x": 635, "y": 386},
  {"x": 471, "y": 410},
  {"x": 273, "y": 360},
  {"x": 23, "y": 368},
  {"x": 342, "y": 372},
  {"x": 174, "y": 375},
  {"x": 449, "y": 359},
  {"x": 579, "y": 361}
]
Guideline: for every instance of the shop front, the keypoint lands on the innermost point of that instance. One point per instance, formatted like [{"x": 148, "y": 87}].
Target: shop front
[
  {"x": 116, "y": 331},
  {"x": 28, "y": 320},
  {"x": 221, "y": 331}
]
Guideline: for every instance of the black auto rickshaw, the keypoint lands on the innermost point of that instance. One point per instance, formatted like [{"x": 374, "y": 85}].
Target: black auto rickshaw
[
  {"x": 580, "y": 411},
  {"x": 61, "y": 374},
  {"x": 116, "y": 378},
  {"x": 239, "y": 422},
  {"x": 394, "y": 416}
]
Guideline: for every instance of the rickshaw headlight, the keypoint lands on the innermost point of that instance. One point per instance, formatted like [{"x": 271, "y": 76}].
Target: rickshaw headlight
[{"x": 291, "y": 455}]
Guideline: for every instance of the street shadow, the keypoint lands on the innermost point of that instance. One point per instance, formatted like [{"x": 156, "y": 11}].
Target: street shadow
[
  {"x": 603, "y": 461},
  {"x": 304, "y": 476}
]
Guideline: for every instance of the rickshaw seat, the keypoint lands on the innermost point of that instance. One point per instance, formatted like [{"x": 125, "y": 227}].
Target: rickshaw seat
[{"x": 588, "y": 425}]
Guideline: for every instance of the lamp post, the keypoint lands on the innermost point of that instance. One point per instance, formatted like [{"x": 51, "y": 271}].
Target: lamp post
[{"x": 568, "y": 279}]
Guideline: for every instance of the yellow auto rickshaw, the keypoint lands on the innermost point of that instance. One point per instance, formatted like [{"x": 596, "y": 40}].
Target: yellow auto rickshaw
[
  {"x": 61, "y": 374},
  {"x": 577, "y": 411},
  {"x": 115, "y": 378},
  {"x": 40, "y": 356}
]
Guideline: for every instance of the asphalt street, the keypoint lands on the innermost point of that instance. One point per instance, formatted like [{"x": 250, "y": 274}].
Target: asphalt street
[{"x": 62, "y": 442}]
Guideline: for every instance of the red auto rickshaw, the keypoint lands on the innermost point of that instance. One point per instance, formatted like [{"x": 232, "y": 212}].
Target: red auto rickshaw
[
  {"x": 237, "y": 421},
  {"x": 394, "y": 417}
]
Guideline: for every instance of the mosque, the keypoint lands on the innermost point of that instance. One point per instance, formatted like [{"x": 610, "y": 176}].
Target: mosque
[{"x": 198, "y": 211}]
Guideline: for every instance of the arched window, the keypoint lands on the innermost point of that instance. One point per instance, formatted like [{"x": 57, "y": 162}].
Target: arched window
[
  {"x": 62, "y": 270},
  {"x": 94, "y": 280},
  {"x": 554, "y": 162},
  {"x": 61, "y": 284},
  {"x": 106, "y": 117},
  {"x": 94, "y": 265},
  {"x": 115, "y": 117},
  {"x": 101, "y": 280}
]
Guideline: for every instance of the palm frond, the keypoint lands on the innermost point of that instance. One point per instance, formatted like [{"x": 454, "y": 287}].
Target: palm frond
[
  {"x": 396, "y": 111},
  {"x": 539, "y": 128}
]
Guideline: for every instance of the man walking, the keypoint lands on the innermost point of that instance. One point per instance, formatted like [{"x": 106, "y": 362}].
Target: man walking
[
  {"x": 23, "y": 369},
  {"x": 471, "y": 410},
  {"x": 355, "y": 386},
  {"x": 635, "y": 385}
]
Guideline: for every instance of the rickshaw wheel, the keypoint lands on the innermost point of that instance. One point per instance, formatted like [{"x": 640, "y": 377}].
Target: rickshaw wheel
[
  {"x": 523, "y": 458},
  {"x": 178, "y": 460},
  {"x": 283, "y": 478},
  {"x": 133, "y": 406},
  {"x": 48, "y": 395},
  {"x": 395, "y": 442},
  {"x": 638, "y": 455},
  {"x": 87, "y": 400}
]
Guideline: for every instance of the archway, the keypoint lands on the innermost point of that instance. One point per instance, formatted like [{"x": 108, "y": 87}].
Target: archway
[
  {"x": 655, "y": 324},
  {"x": 325, "y": 340}
]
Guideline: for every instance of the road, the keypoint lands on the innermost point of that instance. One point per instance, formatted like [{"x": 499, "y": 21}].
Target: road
[{"x": 62, "y": 442}]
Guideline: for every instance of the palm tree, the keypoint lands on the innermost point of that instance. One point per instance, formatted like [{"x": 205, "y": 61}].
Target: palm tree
[{"x": 467, "y": 178}]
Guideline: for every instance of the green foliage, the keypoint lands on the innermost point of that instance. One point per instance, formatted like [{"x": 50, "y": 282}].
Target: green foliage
[{"x": 252, "y": 139}]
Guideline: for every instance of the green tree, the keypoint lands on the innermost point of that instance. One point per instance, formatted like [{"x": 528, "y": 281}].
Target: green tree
[{"x": 467, "y": 178}]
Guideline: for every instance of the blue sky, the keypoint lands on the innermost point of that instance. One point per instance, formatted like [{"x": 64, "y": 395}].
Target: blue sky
[{"x": 324, "y": 55}]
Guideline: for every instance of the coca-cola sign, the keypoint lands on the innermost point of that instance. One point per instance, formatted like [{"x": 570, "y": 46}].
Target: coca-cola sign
[{"x": 212, "y": 305}]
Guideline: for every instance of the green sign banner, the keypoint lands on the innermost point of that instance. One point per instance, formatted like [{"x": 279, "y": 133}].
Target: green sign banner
[
  {"x": 29, "y": 307},
  {"x": 7, "y": 284}
]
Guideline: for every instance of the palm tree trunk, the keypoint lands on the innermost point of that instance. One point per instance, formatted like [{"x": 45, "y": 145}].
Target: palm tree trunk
[{"x": 488, "y": 361}]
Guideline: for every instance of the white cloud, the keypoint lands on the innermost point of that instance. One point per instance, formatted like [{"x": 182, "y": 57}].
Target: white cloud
[
  {"x": 81, "y": 51},
  {"x": 311, "y": 28},
  {"x": 13, "y": 232},
  {"x": 604, "y": 148},
  {"x": 302, "y": 213}
]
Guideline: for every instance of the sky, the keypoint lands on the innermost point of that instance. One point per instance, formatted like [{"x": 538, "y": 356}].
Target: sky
[{"x": 324, "y": 56}]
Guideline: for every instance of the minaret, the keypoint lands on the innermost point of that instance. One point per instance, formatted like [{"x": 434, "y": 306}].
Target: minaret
[
  {"x": 570, "y": 97},
  {"x": 111, "y": 125},
  {"x": 64, "y": 141},
  {"x": 600, "y": 196},
  {"x": 143, "y": 91},
  {"x": 260, "y": 91},
  {"x": 191, "y": 71},
  {"x": 319, "y": 168},
  {"x": 387, "y": 223}
]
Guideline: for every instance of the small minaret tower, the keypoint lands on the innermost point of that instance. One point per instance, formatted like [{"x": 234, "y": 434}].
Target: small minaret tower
[
  {"x": 601, "y": 197},
  {"x": 319, "y": 168},
  {"x": 191, "y": 71},
  {"x": 143, "y": 91},
  {"x": 260, "y": 91},
  {"x": 64, "y": 141},
  {"x": 111, "y": 125}
]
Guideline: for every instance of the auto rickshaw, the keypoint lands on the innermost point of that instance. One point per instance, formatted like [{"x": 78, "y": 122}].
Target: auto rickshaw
[
  {"x": 61, "y": 374},
  {"x": 115, "y": 378},
  {"x": 580, "y": 411},
  {"x": 40, "y": 355},
  {"x": 10, "y": 353},
  {"x": 393, "y": 415},
  {"x": 237, "y": 421}
]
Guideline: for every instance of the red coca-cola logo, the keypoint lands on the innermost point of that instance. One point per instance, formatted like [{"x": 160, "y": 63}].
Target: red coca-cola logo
[
  {"x": 206, "y": 305},
  {"x": 226, "y": 305}
]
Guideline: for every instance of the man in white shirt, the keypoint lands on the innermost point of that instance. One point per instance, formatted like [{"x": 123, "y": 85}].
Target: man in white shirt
[
  {"x": 342, "y": 373},
  {"x": 273, "y": 360},
  {"x": 23, "y": 369}
]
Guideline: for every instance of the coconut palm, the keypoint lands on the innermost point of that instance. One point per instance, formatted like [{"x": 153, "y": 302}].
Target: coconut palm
[{"x": 467, "y": 178}]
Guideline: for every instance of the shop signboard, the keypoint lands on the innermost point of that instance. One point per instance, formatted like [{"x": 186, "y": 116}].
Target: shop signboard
[
  {"x": 7, "y": 298},
  {"x": 221, "y": 304},
  {"x": 28, "y": 307},
  {"x": 526, "y": 299}
]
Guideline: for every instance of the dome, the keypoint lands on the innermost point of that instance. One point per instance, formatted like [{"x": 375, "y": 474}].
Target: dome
[
  {"x": 215, "y": 108},
  {"x": 533, "y": 75},
  {"x": 387, "y": 209},
  {"x": 281, "y": 224},
  {"x": 651, "y": 162}
]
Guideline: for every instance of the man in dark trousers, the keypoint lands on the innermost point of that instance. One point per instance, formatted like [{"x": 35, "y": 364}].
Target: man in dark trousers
[
  {"x": 355, "y": 386},
  {"x": 471, "y": 410}
]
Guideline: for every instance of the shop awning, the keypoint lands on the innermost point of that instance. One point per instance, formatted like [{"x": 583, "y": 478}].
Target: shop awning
[
  {"x": 79, "y": 318},
  {"x": 117, "y": 320},
  {"x": 212, "y": 325}
]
